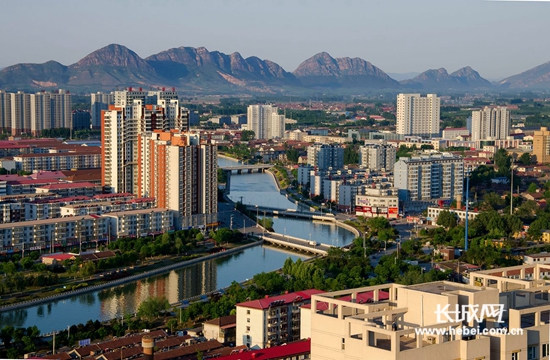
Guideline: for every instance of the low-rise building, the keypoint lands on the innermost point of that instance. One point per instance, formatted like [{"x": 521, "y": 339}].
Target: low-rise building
[
  {"x": 271, "y": 321},
  {"x": 222, "y": 329},
  {"x": 433, "y": 214},
  {"x": 376, "y": 202},
  {"x": 87, "y": 158},
  {"x": 542, "y": 258},
  {"x": 141, "y": 223}
]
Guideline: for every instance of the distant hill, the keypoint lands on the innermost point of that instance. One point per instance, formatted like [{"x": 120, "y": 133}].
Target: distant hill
[
  {"x": 440, "y": 79},
  {"x": 198, "y": 70},
  {"x": 322, "y": 70},
  {"x": 537, "y": 78},
  {"x": 185, "y": 68}
]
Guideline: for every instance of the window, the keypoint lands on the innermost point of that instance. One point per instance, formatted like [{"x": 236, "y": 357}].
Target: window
[
  {"x": 248, "y": 320},
  {"x": 247, "y": 312},
  {"x": 545, "y": 350},
  {"x": 248, "y": 328},
  {"x": 515, "y": 355},
  {"x": 531, "y": 353},
  {"x": 344, "y": 344}
]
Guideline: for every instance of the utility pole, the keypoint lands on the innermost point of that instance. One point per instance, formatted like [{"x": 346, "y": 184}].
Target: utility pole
[
  {"x": 467, "y": 204},
  {"x": 511, "y": 186}
]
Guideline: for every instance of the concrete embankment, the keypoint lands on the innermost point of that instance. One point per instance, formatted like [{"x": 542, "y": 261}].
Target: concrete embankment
[{"x": 129, "y": 279}]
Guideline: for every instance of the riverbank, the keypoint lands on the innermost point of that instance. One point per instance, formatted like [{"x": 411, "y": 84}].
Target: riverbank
[{"x": 126, "y": 280}]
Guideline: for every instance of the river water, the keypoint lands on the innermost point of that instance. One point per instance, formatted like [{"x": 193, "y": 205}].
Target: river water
[{"x": 190, "y": 281}]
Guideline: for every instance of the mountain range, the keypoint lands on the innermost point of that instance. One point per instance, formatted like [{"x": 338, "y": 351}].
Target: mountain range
[{"x": 197, "y": 70}]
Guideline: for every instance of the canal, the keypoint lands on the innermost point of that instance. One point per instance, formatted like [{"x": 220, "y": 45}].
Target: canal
[{"x": 189, "y": 281}]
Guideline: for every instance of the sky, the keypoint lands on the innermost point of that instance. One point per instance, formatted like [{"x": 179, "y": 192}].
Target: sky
[{"x": 496, "y": 38}]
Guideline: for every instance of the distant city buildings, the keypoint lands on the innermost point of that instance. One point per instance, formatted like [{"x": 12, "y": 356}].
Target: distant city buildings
[
  {"x": 377, "y": 157},
  {"x": 418, "y": 115},
  {"x": 491, "y": 123},
  {"x": 429, "y": 177},
  {"x": 323, "y": 156},
  {"x": 99, "y": 102},
  {"x": 22, "y": 113},
  {"x": 455, "y": 133},
  {"x": 541, "y": 145},
  {"x": 81, "y": 120},
  {"x": 265, "y": 121}
]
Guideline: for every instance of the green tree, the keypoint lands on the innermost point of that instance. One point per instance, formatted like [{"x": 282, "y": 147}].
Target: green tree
[
  {"x": 525, "y": 159},
  {"x": 503, "y": 161},
  {"x": 447, "y": 219},
  {"x": 351, "y": 155},
  {"x": 247, "y": 135},
  {"x": 222, "y": 236},
  {"x": 151, "y": 308},
  {"x": 532, "y": 188},
  {"x": 178, "y": 244}
]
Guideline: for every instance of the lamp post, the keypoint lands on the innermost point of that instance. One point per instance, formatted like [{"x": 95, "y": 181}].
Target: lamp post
[
  {"x": 466, "y": 215},
  {"x": 511, "y": 186},
  {"x": 257, "y": 216}
]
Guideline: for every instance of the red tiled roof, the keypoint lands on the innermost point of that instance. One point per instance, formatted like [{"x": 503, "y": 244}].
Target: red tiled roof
[
  {"x": 277, "y": 352},
  {"x": 33, "y": 181},
  {"x": 59, "y": 257},
  {"x": 285, "y": 298},
  {"x": 68, "y": 186},
  {"x": 362, "y": 298}
]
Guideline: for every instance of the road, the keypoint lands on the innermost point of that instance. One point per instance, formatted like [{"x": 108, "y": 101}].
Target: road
[{"x": 227, "y": 211}]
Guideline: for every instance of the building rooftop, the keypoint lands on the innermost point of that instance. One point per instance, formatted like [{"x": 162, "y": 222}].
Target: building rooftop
[
  {"x": 287, "y": 351},
  {"x": 61, "y": 186},
  {"x": 223, "y": 321},
  {"x": 440, "y": 287},
  {"x": 137, "y": 212},
  {"x": 284, "y": 299}
]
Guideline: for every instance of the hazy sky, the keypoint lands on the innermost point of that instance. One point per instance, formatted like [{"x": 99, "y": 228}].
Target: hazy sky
[{"x": 497, "y": 38}]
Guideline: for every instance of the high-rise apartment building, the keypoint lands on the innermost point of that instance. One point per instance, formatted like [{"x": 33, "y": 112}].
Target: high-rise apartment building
[
  {"x": 325, "y": 156},
  {"x": 100, "y": 102},
  {"x": 5, "y": 111},
  {"x": 377, "y": 157},
  {"x": 541, "y": 145},
  {"x": 418, "y": 115},
  {"x": 429, "y": 177},
  {"x": 265, "y": 121},
  {"x": 491, "y": 123},
  {"x": 180, "y": 172},
  {"x": 124, "y": 124},
  {"x": 31, "y": 113},
  {"x": 119, "y": 151}
]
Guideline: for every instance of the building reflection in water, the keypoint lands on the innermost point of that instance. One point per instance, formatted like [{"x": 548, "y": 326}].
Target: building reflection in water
[{"x": 175, "y": 286}]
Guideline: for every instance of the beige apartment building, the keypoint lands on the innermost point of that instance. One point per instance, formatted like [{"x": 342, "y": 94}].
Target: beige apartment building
[
  {"x": 271, "y": 321},
  {"x": 541, "y": 145},
  {"x": 71, "y": 230},
  {"x": 90, "y": 158},
  {"x": 393, "y": 321}
]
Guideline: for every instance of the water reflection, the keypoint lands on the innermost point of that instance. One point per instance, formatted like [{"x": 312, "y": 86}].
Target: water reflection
[{"x": 15, "y": 318}]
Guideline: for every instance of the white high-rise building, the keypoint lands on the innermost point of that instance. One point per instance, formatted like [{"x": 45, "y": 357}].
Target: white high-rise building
[
  {"x": 378, "y": 157},
  {"x": 100, "y": 102},
  {"x": 265, "y": 121},
  {"x": 119, "y": 151},
  {"x": 418, "y": 115},
  {"x": 438, "y": 176},
  {"x": 491, "y": 123}
]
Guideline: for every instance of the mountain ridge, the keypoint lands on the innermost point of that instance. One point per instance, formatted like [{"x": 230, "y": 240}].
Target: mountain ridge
[{"x": 200, "y": 70}]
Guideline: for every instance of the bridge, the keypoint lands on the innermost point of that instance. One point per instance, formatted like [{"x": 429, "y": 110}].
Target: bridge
[
  {"x": 295, "y": 243},
  {"x": 290, "y": 213},
  {"x": 248, "y": 168}
]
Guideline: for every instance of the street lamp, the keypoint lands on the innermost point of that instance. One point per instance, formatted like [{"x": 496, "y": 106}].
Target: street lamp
[{"x": 257, "y": 216}]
